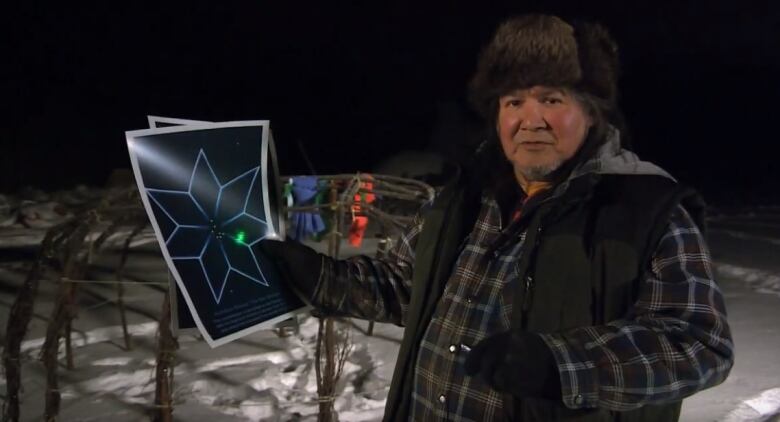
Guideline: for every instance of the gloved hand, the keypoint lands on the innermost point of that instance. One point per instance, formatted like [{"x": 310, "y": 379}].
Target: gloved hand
[
  {"x": 299, "y": 264},
  {"x": 517, "y": 363}
]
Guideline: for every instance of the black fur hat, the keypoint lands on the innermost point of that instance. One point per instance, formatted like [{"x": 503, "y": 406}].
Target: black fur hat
[{"x": 533, "y": 50}]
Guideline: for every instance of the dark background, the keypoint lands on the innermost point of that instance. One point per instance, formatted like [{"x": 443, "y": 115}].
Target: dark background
[{"x": 355, "y": 82}]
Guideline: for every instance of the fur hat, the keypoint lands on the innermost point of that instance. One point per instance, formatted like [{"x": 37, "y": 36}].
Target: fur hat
[{"x": 533, "y": 50}]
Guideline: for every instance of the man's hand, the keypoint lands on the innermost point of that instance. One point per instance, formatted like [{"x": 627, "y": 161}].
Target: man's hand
[
  {"x": 300, "y": 265},
  {"x": 520, "y": 364}
]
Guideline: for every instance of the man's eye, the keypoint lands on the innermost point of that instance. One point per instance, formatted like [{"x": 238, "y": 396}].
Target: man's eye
[
  {"x": 552, "y": 100},
  {"x": 513, "y": 103}
]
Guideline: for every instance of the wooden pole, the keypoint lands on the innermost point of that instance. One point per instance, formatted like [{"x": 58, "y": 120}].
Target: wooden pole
[
  {"x": 63, "y": 313},
  {"x": 59, "y": 320},
  {"x": 18, "y": 321},
  {"x": 166, "y": 354},
  {"x": 120, "y": 288}
]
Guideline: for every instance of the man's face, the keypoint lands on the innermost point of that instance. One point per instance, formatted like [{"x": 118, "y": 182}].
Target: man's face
[{"x": 540, "y": 128}]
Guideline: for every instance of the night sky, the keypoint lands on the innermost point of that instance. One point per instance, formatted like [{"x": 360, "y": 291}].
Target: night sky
[{"x": 356, "y": 82}]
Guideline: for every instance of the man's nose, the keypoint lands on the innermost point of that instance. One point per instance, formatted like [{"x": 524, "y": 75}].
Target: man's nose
[{"x": 531, "y": 116}]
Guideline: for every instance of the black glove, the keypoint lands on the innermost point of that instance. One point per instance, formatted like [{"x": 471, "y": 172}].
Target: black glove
[
  {"x": 520, "y": 364},
  {"x": 299, "y": 264}
]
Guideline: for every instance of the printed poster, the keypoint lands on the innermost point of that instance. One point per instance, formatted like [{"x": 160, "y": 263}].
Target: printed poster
[{"x": 205, "y": 187}]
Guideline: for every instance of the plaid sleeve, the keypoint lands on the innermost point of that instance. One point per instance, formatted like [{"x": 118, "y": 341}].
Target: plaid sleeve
[
  {"x": 675, "y": 341},
  {"x": 371, "y": 288}
]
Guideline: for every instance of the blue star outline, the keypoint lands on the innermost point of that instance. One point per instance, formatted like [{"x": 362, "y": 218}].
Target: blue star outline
[{"x": 211, "y": 225}]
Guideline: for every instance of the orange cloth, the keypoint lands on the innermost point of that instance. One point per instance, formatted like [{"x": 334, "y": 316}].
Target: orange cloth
[
  {"x": 357, "y": 230},
  {"x": 531, "y": 189},
  {"x": 535, "y": 187},
  {"x": 360, "y": 222}
]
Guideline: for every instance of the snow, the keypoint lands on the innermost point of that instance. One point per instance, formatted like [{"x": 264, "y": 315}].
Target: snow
[
  {"x": 740, "y": 235},
  {"x": 264, "y": 377},
  {"x": 273, "y": 379},
  {"x": 766, "y": 403},
  {"x": 761, "y": 281},
  {"x": 118, "y": 361},
  {"x": 96, "y": 335},
  {"x": 759, "y": 408}
]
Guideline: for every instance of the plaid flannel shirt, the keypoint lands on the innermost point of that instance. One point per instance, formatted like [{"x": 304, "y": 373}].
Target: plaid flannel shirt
[{"x": 674, "y": 341}]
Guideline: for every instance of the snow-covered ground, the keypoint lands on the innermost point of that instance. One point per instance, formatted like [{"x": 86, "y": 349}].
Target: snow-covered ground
[
  {"x": 259, "y": 377},
  {"x": 271, "y": 378}
]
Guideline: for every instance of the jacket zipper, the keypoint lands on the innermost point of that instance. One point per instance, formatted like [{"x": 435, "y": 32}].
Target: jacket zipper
[{"x": 528, "y": 286}]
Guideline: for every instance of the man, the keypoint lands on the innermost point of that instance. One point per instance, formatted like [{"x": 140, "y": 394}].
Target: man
[{"x": 561, "y": 278}]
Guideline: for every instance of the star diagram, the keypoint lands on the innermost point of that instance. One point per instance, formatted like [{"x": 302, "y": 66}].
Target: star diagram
[{"x": 210, "y": 228}]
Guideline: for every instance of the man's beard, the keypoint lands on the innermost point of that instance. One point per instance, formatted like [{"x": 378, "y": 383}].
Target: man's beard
[{"x": 540, "y": 173}]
